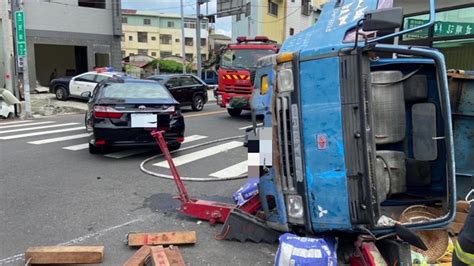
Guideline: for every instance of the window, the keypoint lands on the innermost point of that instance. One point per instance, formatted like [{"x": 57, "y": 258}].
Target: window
[
  {"x": 165, "y": 38},
  {"x": 143, "y": 51},
  {"x": 189, "y": 57},
  {"x": 92, "y": 3},
  {"x": 204, "y": 25},
  {"x": 142, "y": 36},
  {"x": 123, "y": 53},
  {"x": 203, "y": 42},
  {"x": 153, "y": 38},
  {"x": 203, "y": 57},
  {"x": 131, "y": 54},
  {"x": 153, "y": 53},
  {"x": 164, "y": 54},
  {"x": 188, "y": 41},
  {"x": 190, "y": 24},
  {"x": 176, "y": 40},
  {"x": 306, "y": 7},
  {"x": 146, "y": 21},
  {"x": 170, "y": 24},
  {"x": 124, "y": 20},
  {"x": 100, "y": 78},
  {"x": 188, "y": 81},
  {"x": 86, "y": 78},
  {"x": 272, "y": 8},
  {"x": 292, "y": 31},
  {"x": 173, "y": 82},
  {"x": 135, "y": 91},
  {"x": 130, "y": 38},
  {"x": 122, "y": 38},
  {"x": 238, "y": 17}
]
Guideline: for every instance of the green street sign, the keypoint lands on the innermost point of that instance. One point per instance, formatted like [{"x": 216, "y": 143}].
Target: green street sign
[
  {"x": 21, "y": 48},
  {"x": 20, "y": 33}
]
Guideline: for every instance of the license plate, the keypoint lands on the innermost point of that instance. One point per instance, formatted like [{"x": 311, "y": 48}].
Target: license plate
[{"x": 144, "y": 121}]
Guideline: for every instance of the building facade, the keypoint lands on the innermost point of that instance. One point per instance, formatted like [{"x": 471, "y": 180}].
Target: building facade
[
  {"x": 159, "y": 35},
  {"x": 69, "y": 37},
  {"x": 452, "y": 33},
  {"x": 276, "y": 19}
]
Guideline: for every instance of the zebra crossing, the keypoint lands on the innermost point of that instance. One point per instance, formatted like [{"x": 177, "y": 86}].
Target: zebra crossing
[{"x": 71, "y": 136}]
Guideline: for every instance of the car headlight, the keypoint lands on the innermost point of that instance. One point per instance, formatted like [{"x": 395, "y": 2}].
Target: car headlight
[
  {"x": 294, "y": 206},
  {"x": 285, "y": 77}
]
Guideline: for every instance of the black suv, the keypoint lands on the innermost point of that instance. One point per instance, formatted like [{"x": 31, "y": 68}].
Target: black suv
[{"x": 187, "y": 89}]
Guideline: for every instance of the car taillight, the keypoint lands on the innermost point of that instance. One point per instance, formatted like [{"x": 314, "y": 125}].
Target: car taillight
[{"x": 106, "y": 112}]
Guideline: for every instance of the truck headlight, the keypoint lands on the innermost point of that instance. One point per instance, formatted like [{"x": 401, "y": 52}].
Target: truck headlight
[
  {"x": 294, "y": 206},
  {"x": 285, "y": 77}
]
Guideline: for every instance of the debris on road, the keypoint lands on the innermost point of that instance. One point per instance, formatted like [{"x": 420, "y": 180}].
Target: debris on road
[
  {"x": 65, "y": 255},
  {"x": 164, "y": 238},
  {"x": 158, "y": 256},
  {"x": 139, "y": 258}
]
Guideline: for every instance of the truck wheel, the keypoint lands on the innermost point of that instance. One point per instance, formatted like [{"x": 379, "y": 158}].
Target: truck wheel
[
  {"x": 234, "y": 112},
  {"x": 61, "y": 93},
  {"x": 198, "y": 103}
]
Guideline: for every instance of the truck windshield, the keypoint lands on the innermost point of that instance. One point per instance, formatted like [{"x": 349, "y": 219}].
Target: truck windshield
[{"x": 243, "y": 58}]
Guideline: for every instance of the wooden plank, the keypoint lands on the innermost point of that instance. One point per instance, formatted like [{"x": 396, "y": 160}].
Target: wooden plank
[
  {"x": 65, "y": 255},
  {"x": 158, "y": 256},
  {"x": 174, "y": 256},
  {"x": 164, "y": 238},
  {"x": 139, "y": 258}
]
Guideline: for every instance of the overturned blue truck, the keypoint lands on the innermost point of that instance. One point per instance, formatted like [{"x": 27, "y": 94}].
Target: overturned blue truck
[{"x": 361, "y": 127}]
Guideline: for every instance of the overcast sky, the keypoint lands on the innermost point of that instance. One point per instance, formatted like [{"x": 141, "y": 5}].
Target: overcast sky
[{"x": 223, "y": 25}]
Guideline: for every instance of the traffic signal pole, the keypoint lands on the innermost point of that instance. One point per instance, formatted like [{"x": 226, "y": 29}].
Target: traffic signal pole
[{"x": 198, "y": 37}]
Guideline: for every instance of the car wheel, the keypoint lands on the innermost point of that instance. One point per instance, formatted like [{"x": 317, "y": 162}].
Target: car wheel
[
  {"x": 173, "y": 146},
  {"x": 234, "y": 112},
  {"x": 61, "y": 93},
  {"x": 198, "y": 103}
]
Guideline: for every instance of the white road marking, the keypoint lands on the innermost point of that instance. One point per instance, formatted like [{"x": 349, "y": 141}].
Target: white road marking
[
  {"x": 231, "y": 171},
  {"x": 35, "y": 128},
  {"x": 26, "y": 125},
  {"x": 45, "y": 141},
  {"x": 42, "y": 133},
  {"x": 193, "y": 138},
  {"x": 21, "y": 256},
  {"x": 16, "y": 122},
  {"x": 187, "y": 158},
  {"x": 244, "y": 128},
  {"x": 77, "y": 147},
  {"x": 126, "y": 153}
]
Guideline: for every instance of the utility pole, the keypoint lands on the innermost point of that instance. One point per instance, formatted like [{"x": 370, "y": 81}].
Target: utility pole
[
  {"x": 182, "y": 38},
  {"x": 198, "y": 36},
  {"x": 22, "y": 53},
  {"x": 7, "y": 46}
]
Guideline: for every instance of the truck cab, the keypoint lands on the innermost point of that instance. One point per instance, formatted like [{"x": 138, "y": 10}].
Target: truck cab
[{"x": 361, "y": 129}]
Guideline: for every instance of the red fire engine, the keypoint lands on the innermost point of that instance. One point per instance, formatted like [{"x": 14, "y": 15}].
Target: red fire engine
[{"x": 237, "y": 69}]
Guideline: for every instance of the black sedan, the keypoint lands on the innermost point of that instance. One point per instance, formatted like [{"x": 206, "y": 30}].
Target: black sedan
[
  {"x": 123, "y": 112},
  {"x": 187, "y": 89}
]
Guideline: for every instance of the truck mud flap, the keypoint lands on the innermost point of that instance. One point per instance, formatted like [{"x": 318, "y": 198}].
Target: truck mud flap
[{"x": 243, "y": 226}]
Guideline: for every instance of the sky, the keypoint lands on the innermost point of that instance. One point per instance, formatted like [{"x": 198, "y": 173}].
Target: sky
[{"x": 223, "y": 25}]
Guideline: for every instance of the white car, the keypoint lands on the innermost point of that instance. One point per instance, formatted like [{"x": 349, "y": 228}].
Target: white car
[{"x": 66, "y": 87}]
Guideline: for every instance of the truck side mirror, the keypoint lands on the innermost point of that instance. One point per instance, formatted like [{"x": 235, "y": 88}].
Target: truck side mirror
[{"x": 383, "y": 19}]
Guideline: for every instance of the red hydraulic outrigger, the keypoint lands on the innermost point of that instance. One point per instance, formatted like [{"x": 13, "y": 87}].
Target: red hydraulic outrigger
[{"x": 214, "y": 212}]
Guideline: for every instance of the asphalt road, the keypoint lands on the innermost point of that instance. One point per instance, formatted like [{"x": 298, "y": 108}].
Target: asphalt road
[{"x": 54, "y": 192}]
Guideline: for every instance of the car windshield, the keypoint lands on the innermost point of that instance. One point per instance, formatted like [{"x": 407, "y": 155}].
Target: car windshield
[
  {"x": 160, "y": 80},
  {"x": 243, "y": 58},
  {"x": 135, "y": 91}
]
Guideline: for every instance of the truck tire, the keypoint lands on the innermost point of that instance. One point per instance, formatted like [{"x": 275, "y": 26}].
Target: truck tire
[
  {"x": 61, "y": 93},
  {"x": 234, "y": 112}
]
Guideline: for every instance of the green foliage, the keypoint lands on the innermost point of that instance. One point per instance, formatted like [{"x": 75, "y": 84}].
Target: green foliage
[{"x": 169, "y": 66}]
